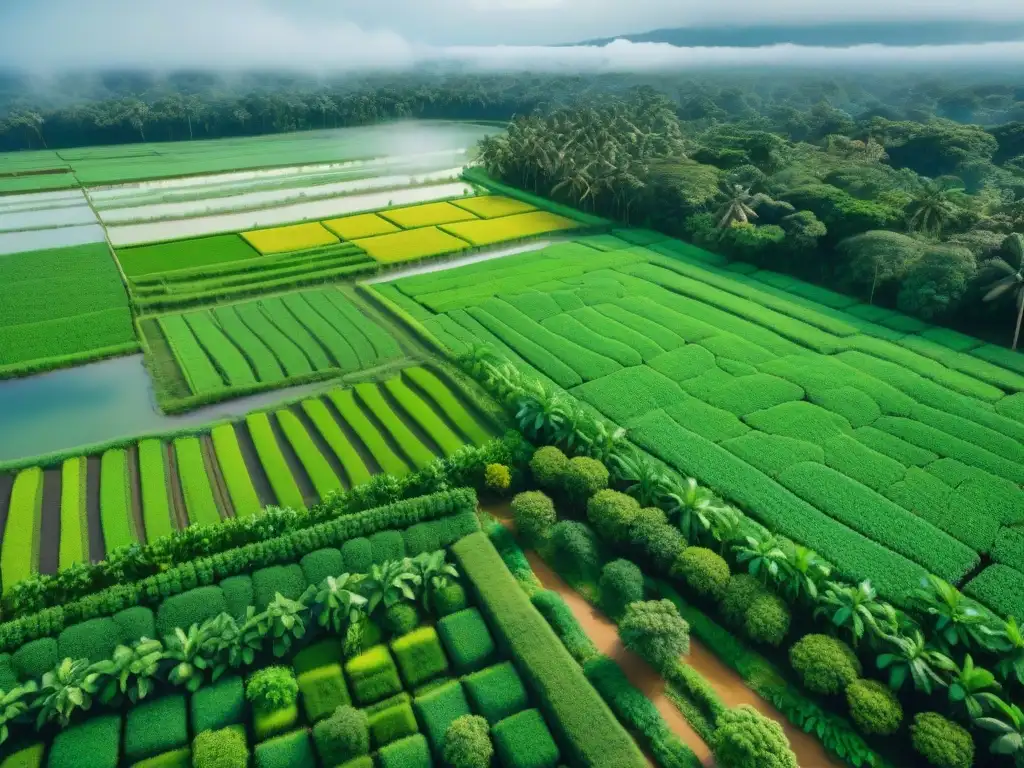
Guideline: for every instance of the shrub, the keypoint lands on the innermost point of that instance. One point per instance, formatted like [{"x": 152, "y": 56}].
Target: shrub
[
  {"x": 323, "y": 691},
  {"x": 152, "y": 727},
  {"x": 286, "y": 580},
  {"x": 36, "y": 658},
  {"x": 8, "y": 677},
  {"x": 419, "y": 656},
  {"x": 225, "y": 748},
  {"x": 611, "y": 513},
  {"x": 496, "y": 692},
  {"x": 401, "y": 618},
  {"x": 744, "y": 738},
  {"x": 272, "y": 688},
  {"x": 97, "y": 737},
  {"x": 575, "y": 549},
  {"x": 704, "y": 571},
  {"x": 873, "y": 707},
  {"x": 559, "y": 615},
  {"x": 534, "y": 514},
  {"x": 32, "y": 757},
  {"x": 317, "y": 566},
  {"x": 386, "y": 545},
  {"x": 825, "y": 664},
  {"x": 421, "y": 537},
  {"x": 943, "y": 743},
  {"x": 467, "y": 640},
  {"x": 373, "y": 675},
  {"x": 392, "y": 724},
  {"x": 524, "y": 741},
  {"x": 218, "y": 705},
  {"x": 767, "y": 620},
  {"x": 584, "y": 477},
  {"x": 357, "y": 555},
  {"x": 238, "y": 594},
  {"x": 342, "y": 736},
  {"x": 655, "y": 630},
  {"x": 655, "y": 540},
  {"x": 440, "y": 707},
  {"x": 192, "y": 607},
  {"x": 135, "y": 623},
  {"x": 449, "y": 599},
  {"x": 410, "y": 752},
  {"x": 320, "y": 654},
  {"x": 497, "y": 478},
  {"x": 741, "y": 592},
  {"x": 467, "y": 743},
  {"x": 293, "y": 750},
  {"x": 548, "y": 466},
  {"x": 622, "y": 583},
  {"x": 271, "y": 722}
]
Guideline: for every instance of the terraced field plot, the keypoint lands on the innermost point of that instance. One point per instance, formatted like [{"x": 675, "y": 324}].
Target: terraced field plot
[
  {"x": 266, "y": 342},
  {"x": 888, "y": 451},
  {"x": 291, "y": 456}
]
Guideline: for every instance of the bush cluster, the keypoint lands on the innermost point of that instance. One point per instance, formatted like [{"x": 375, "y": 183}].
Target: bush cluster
[
  {"x": 467, "y": 743},
  {"x": 943, "y": 743},
  {"x": 575, "y": 549},
  {"x": 748, "y": 605},
  {"x": 744, "y": 738},
  {"x": 612, "y": 513},
  {"x": 272, "y": 688},
  {"x": 622, "y": 583},
  {"x": 704, "y": 571},
  {"x": 873, "y": 707},
  {"x": 225, "y": 748},
  {"x": 534, "y": 513},
  {"x": 342, "y": 736},
  {"x": 548, "y": 466},
  {"x": 655, "y": 630},
  {"x": 824, "y": 664},
  {"x": 584, "y": 477},
  {"x": 497, "y": 478}
]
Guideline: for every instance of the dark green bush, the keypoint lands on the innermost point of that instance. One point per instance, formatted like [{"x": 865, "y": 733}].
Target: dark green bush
[
  {"x": 98, "y": 737},
  {"x": 225, "y": 748},
  {"x": 342, "y": 736},
  {"x": 134, "y": 623},
  {"x": 386, "y": 545},
  {"x": 534, "y": 513},
  {"x": 358, "y": 555},
  {"x": 612, "y": 513},
  {"x": 622, "y": 583},
  {"x": 218, "y": 705},
  {"x": 744, "y": 738},
  {"x": 467, "y": 743},
  {"x": 496, "y": 692},
  {"x": 410, "y": 752},
  {"x": 655, "y": 630},
  {"x": 560, "y": 616},
  {"x": 524, "y": 741},
  {"x": 323, "y": 691},
  {"x": 825, "y": 664},
  {"x": 272, "y": 688},
  {"x": 704, "y": 571},
  {"x": 873, "y": 707},
  {"x": 94, "y": 640},
  {"x": 741, "y": 592},
  {"x": 238, "y": 593},
  {"x": 655, "y": 541},
  {"x": 401, "y": 618},
  {"x": 419, "y": 656},
  {"x": 152, "y": 727},
  {"x": 392, "y": 724},
  {"x": 317, "y": 566},
  {"x": 36, "y": 658},
  {"x": 319, "y": 654},
  {"x": 192, "y": 607},
  {"x": 8, "y": 676},
  {"x": 422, "y": 537},
  {"x": 767, "y": 620},
  {"x": 584, "y": 477},
  {"x": 437, "y": 710},
  {"x": 267, "y": 583},
  {"x": 450, "y": 599},
  {"x": 941, "y": 742},
  {"x": 548, "y": 467},
  {"x": 467, "y": 640},
  {"x": 292, "y": 750},
  {"x": 575, "y": 549}
]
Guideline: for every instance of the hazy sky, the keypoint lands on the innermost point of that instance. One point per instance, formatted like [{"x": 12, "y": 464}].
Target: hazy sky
[{"x": 346, "y": 33}]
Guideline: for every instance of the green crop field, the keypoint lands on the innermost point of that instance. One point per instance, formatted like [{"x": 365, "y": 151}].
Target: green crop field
[{"x": 886, "y": 446}]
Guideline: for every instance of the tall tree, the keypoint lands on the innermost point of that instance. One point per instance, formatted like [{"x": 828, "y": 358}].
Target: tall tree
[
  {"x": 931, "y": 209},
  {"x": 1012, "y": 281},
  {"x": 737, "y": 206}
]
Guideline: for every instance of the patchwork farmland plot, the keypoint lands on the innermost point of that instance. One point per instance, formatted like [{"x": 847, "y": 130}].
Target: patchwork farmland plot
[
  {"x": 290, "y": 456},
  {"x": 892, "y": 453}
]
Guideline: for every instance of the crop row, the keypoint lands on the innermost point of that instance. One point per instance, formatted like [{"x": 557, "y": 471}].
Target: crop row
[{"x": 290, "y": 457}]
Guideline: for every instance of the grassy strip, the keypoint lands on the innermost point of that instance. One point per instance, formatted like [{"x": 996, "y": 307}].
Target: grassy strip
[
  {"x": 195, "y": 485},
  {"x": 67, "y": 361},
  {"x": 333, "y": 435},
  {"x": 282, "y": 317},
  {"x": 156, "y": 508},
  {"x": 74, "y": 528},
  {"x": 292, "y": 359},
  {"x": 361, "y": 345},
  {"x": 417, "y": 452},
  {"x": 340, "y": 350},
  {"x": 236, "y": 475},
  {"x": 252, "y": 346},
  {"x": 319, "y": 470},
  {"x": 585, "y": 723},
  {"x": 274, "y": 464},
  {"x": 425, "y": 416},
  {"x": 479, "y": 177},
  {"x": 199, "y": 372},
  {"x": 383, "y": 342},
  {"x": 389, "y": 461},
  {"x": 19, "y": 555},
  {"x": 115, "y": 515},
  {"x": 395, "y": 296},
  {"x": 448, "y": 403},
  {"x": 226, "y": 357}
]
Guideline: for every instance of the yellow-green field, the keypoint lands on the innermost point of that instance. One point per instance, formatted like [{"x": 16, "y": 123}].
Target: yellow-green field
[
  {"x": 428, "y": 215},
  {"x": 490, "y": 231},
  {"x": 291, "y": 238},
  {"x": 493, "y": 206},
  {"x": 411, "y": 245},
  {"x": 360, "y": 225}
]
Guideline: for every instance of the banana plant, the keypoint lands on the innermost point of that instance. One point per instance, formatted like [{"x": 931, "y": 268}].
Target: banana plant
[
  {"x": 957, "y": 620},
  {"x": 911, "y": 657},
  {"x": 968, "y": 687},
  {"x": 130, "y": 672},
  {"x": 763, "y": 557},
  {"x": 336, "y": 601},
  {"x": 1011, "y": 652},
  {"x": 540, "y": 412},
  {"x": 230, "y": 644},
  {"x": 606, "y": 442},
  {"x": 570, "y": 428},
  {"x": 391, "y": 582},
  {"x": 805, "y": 574},
  {"x": 283, "y": 622},
  {"x": 435, "y": 574},
  {"x": 727, "y": 526},
  {"x": 856, "y": 611},
  {"x": 1008, "y": 725},
  {"x": 692, "y": 506},
  {"x": 646, "y": 481},
  {"x": 478, "y": 359},
  {"x": 65, "y": 689},
  {"x": 14, "y": 706},
  {"x": 190, "y": 657}
]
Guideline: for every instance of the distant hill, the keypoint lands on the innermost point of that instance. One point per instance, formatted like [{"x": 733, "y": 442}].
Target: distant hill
[{"x": 832, "y": 35}]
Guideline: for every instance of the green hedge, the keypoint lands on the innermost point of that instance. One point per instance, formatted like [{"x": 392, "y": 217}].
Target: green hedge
[
  {"x": 192, "y": 607},
  {"x": 467, "y": 640},
  {"x": 587, "y": 726},
  {"x": 410, "y": 752},
  {"x": 323, "y": 691},
  {"x": 496, "y": 692},
  {"x": 218, "y": 705},
  {"x": 438, "y": 709},
  {"x": 94, "y": 640},
  {"x": 287, "y": 580},
  {"x": 524, "y": 741},
  {"x": 419, "y": 656},
  {"x": 98, "y": 737},
  {"x": 292, "y": 750},
  {"x": 153, "y": 727}
]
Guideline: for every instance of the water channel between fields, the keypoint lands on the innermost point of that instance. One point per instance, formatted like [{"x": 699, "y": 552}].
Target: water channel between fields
[{"x": 93, "y": 403}]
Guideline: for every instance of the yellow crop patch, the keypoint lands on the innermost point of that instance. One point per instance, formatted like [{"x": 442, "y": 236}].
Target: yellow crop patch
[
  {"x": 493, "y": 206},
  {"x": 488, "y": 231},
  {"x": 427, "y": 215},
  {"x": 411, "y": 245},
  {"x": 363, "y": 225},
  {"x": 296, "y": 237}
]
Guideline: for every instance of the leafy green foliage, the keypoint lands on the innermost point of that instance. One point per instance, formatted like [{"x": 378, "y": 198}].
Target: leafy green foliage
[
  {"x": 342, "y": 736},
  {"x": 825, "y": 664},
  {"x": 496, "y": 692},
  {"x": 224, "y": 748},
  {"x": 155, "y": 726},
  {"x": 622, "y": 583},
  {"x": 534, "y": 513},
  {"x": 655, "y": 630},
  {"x": 873, "y": 707},
  {"x": 272, "y": 688},
  {"x": 703, "y": 570},
  {"x": 467, "y": 743},
  {"x": 941, "y": 742},
  {"x": 743, "y": 738}
]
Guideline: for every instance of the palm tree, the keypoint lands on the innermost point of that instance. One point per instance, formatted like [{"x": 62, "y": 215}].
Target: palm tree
[
  {"x": 1012, "y": 281},
  {"x": 737, "y": 207},
  {"x": 931, "y": 209}
]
